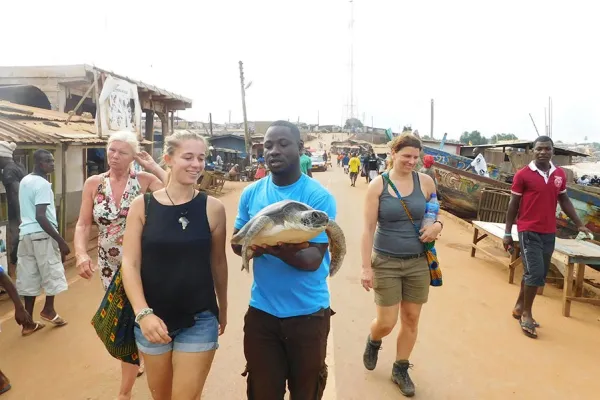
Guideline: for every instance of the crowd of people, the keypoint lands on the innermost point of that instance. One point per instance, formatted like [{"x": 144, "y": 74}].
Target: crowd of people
[{"x": 168, "y": 242}]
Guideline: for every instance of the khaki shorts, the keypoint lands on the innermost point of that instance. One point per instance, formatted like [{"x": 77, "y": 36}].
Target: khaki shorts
[
  {"x": 39, "y": 266},
  {"x": 396, "y": 280}
]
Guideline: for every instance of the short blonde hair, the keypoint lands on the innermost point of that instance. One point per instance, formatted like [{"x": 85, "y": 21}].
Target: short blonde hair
[
  {"x": 172, "y": 142},
  {"x": 127, "y": 137}
]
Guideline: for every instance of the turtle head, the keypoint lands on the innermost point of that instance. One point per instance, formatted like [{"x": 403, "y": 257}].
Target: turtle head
[{"x": 314, "y": 219}]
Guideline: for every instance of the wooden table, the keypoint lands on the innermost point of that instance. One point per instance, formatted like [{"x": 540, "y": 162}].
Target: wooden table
[
  {"x": 495, "y": 230},
  {"x": 567, "y": 254}
]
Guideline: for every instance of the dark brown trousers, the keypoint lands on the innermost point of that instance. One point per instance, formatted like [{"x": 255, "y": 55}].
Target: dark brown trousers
[{"x": 280, "y": 350}]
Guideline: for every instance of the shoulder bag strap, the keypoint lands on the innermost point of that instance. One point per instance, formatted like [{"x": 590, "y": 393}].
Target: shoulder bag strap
[{"x": 386, "y": 176}]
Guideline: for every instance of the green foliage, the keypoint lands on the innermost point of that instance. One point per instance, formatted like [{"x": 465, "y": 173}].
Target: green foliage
[
  {"x": 353, "y": 123},
  {"x": 407, "y": 128},
  {"x": 474, "y": 137},
  {"x": 503, "y": 136}
]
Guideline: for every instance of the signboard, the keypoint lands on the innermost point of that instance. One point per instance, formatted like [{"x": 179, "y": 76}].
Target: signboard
[{"x": 119, "y": 107}]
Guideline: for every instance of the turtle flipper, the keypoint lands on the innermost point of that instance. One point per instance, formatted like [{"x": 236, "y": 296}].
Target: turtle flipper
[
  {"x": 337, "y": 246},
  {"x": 254, "y": 229}
]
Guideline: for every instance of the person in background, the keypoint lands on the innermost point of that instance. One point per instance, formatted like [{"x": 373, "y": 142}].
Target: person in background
[
  {"x": 22, "y": 317},
  {"x": 261, "y": 171},
  {"x": 340, "y": 157},
  {"x": 345, "y": 162},
  {"x": 427, "y": 169},
  {"x": 536, "y": 190},
  {"x": 288, "y": 319},
  {"x": 41, "y": 249},
  {"x": 175, "y": 274},
  {"x": 394, "y": 264},
  {"x": 306, "y": 164},
  {"x": 372, "y": 166},
  {"x": 105, "y": 202},
  {"x": 325, "y": 156},
  {"x": 12, "y": 174},
  {"x": 354, "y": 167},
  {"x": 478, "y": 164},
  {"x": 234, "y": 172}
]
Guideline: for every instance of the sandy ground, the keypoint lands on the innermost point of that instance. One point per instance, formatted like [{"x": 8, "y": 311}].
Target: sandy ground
[{"x": 469, "y": 346}]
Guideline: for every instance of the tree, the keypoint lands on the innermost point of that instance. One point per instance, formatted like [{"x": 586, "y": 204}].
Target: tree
[
  {"x": 474, "y": 137},
  {"x": 353, "y": 123},
  {"x": 407, "y": 128},
  {"x": 503, "y": 136}
]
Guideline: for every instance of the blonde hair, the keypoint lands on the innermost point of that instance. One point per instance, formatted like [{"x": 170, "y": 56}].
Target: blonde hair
[
  {"x": 172, "y": 142},
  {"x": 127, "y": 137}
]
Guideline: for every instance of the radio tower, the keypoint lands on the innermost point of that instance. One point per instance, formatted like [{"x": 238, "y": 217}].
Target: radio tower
[{"x": 351, "y": 111}]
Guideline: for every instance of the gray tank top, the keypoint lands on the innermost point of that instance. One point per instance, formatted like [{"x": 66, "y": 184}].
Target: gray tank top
[{"x": 395, "y": 235}]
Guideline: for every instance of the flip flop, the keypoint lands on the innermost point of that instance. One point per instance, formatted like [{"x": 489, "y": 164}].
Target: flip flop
[
  {"x": 38, "y": 326},
  {"x": 5, "y": 389},
  {"x": 517, "y": 316},
  {"x": 141, "y": 370},
  {"x": 528, "y": 329},
  {"x": 56, "y": 321}
]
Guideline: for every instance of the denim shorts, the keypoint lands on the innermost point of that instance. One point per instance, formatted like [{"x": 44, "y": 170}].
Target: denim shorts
[{"x": 203, "y": 336}]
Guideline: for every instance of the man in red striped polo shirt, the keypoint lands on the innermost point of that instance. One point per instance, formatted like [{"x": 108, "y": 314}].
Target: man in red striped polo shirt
[{"x": 536, "y": 191}]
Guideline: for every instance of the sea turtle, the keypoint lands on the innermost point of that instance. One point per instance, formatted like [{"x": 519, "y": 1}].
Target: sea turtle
[{"x": 289, "y": 221}]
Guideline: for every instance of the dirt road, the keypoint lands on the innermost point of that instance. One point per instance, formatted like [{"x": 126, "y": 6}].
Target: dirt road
[{"x": 469, "y": 346}]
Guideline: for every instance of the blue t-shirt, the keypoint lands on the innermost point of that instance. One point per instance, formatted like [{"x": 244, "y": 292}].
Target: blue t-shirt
[
  {"x": 35, "y": 190},
  {"x": 278, "y": 288}
]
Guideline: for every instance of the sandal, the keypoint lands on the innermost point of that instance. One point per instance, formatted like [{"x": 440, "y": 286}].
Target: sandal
[
  {"x": 38, "y": 326},
  {"x": 528, "y": 329},
  {"x": 141, "y": 370},
  {"x": 56, "y": 321},
  {"x": 5, "y": 389},
  {"x": 517, "y": 316}
]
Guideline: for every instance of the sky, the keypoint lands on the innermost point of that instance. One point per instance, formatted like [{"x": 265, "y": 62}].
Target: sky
[{"x": 486, "y": 64}]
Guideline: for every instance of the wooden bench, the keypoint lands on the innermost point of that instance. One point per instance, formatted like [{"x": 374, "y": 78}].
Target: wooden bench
[{"x": 568, "y": 254}]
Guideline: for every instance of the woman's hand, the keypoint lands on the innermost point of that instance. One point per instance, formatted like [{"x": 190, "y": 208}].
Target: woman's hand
[
  {"x": 154, "y": 329},
  {"x": 146, "y": 161},
  {"x": 222, "y": 321},
  {"x": 85, "y": 268},
  {"x": 366, "y": 279},
  {"x": 430, "y": 233}
]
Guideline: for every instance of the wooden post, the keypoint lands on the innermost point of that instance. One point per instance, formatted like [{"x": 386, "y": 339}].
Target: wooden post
[
  {"x": 63, "y": 194},
  {"x": 246, "y": 133},
  {"x": 97, "y": 99},
  {"x": 172, "y": 121},
  {"x": 150, "y": 130},
  {"x": 568, "y": 290},
  {"x": 210, "y": 122}
]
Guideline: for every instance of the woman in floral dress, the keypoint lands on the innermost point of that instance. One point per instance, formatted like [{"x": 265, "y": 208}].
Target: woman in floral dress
[{"x": 105, "y": 201}]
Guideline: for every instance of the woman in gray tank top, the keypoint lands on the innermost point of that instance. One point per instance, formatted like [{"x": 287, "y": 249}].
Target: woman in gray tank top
[{"x": 393, "y": 255}]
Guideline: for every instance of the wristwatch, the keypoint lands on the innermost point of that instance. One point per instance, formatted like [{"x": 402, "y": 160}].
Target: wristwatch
[{"x": 144, "y": 312}]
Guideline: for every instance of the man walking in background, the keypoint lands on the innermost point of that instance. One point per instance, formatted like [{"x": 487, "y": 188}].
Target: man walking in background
[
  {"x": 12, "y": 173},
  {"x": 353, "y": 167},
  {"x": 306, "y": 164},
  {"x": 536, "y": 190},
  {"x": 41, "y": 248}
]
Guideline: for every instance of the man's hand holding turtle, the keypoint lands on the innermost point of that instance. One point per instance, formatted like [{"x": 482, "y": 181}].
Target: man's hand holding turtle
[{"x": 282, "y": 250}]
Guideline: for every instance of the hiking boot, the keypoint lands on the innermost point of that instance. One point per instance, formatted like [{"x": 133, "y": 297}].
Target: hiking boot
[
  {"x": 371, "y": 353},
  {"x": 401, "y": 378}
]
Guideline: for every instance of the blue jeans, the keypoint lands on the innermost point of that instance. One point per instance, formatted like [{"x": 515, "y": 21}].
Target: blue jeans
[{"x": 202, "y": 336}]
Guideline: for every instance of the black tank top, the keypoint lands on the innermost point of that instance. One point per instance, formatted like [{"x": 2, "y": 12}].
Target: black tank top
[{"x": 176, "y": 273}]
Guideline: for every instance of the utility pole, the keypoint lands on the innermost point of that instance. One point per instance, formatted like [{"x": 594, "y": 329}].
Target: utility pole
[
  {"x": 351, "y": 59},
  {"x": 229, "y": 116},
  {"x": 372, "y": 131},
  {"x": 318, "y": 123},
  {"x": 210, "y": 123},
  {"x": 431, "y": 131},
  {"x": 246, "y": 133}
]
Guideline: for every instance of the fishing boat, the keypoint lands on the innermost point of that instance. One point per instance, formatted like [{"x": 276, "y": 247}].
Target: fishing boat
[{"x": 461, "y": 191}]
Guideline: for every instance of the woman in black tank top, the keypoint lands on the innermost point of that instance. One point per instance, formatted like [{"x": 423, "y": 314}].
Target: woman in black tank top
[
  {"x": 394, "y": 264},
  {"x": 175, "y": 274}
]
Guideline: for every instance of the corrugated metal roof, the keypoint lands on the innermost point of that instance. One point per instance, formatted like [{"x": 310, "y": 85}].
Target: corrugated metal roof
[{"x": 30, "y": 125}]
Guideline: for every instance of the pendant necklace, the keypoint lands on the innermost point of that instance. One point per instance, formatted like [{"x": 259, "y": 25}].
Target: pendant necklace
[{"x": 182, "y": 220}]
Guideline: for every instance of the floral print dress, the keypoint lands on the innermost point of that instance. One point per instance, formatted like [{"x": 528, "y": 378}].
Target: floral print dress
[{"x": 110, "y": 216}]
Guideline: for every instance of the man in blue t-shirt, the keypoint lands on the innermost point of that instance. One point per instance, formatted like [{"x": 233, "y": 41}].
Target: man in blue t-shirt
[{"x": 287, "y": 323}]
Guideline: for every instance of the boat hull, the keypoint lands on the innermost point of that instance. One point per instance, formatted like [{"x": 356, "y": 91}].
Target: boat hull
[
  {"x": 460, "y": 191},
  {"x": 456, "y": 161}
]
